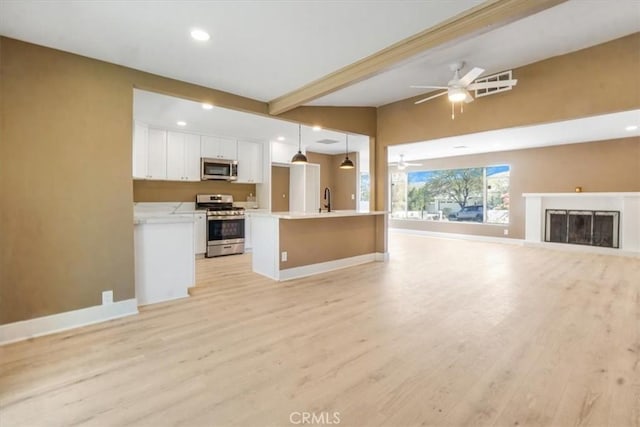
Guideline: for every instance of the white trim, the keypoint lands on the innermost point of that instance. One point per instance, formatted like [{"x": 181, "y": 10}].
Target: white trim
[
  {"x": 585, "y": 194},
  {"x": 582, "y": 248},
  {"x": 25, "y": 329},
  {"x": 172, "y": 298},
  {"x": 382, "y": 256},
  {"x": 457, "y": 236},
  {"x": 323, "y": 267}
]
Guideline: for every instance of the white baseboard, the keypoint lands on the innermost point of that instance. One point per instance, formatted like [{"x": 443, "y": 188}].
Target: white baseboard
[
  {"x": 456, "y": 236},
  {"x": 25, "y": 329},
  {"x": 323, "y": 267},
  {"x": 583, "y": 249}
]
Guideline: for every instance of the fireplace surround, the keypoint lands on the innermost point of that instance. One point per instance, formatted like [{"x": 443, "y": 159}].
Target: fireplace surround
[
  {"x": 580, "y": 227},
  {"x": 606, "y": 223}
]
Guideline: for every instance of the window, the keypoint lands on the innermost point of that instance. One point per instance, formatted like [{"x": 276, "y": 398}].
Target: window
[
  {"x": 365, "y": 189},
  {"x": 467, "y": 195}
]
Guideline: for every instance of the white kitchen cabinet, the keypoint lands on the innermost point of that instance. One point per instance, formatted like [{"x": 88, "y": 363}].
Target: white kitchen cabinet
[
  {"x": 200, "y": 233},
  {"x": 140, "y": 150},
  {"x": 183, "y": 156},
  {"x": 218, "y": 148},
  {"x": 282, "y": 153},
  {"x": 249, "y": 162},
  {"x": 156, "y": 154},
  {"x": 149, "y": 152},
  {"x": 304, "y": 187}
]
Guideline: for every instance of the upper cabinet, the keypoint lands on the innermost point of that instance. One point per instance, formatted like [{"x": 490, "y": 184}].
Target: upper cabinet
[
  {"x": 282, "y": 153},
  {"x": 183, "y": 156},
  {"x": 249, "y": 162},
  {"x": 218, "y": 148},
  {"x": 169, "y": 155},
  {"x": 149, "y": 152}
]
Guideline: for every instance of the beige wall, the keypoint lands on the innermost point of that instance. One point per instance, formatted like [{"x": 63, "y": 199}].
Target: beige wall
[
  {"x": 175, "y": 191},
  {"x": 279, "y": 189},
  {"x": 342, "y": 182},
  {"x": 575, "y": 85},
  {"x": 311, "y": 241},
  {"x": 346, "y": 183},
  {"x": 596, "y": 166},
  {"x": 66, "y": 223}
]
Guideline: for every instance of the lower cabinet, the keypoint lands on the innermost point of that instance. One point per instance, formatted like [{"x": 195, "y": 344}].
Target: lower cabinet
[
  {"x": 248, "y": 241},
  {"x": 200, "y": 233}
]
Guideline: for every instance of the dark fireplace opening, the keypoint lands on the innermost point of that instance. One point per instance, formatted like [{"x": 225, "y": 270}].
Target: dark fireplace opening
[
  {"x": 579, "y": 227},
  {"x": 595, "y": 228}
]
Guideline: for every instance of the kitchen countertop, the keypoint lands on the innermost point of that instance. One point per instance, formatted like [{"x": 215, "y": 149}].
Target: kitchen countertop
[
  {"x": 311, "y": 215},
  {"x": 161, "y": 218}
]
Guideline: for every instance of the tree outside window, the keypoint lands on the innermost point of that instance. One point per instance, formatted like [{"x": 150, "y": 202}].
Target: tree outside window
[{"x": 468, "y": 195}]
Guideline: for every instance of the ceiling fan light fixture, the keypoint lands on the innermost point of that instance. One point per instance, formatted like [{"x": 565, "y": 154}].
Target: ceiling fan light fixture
[
  {"x": 299, "y": 158},
  {"x": 457, "y": 94}
]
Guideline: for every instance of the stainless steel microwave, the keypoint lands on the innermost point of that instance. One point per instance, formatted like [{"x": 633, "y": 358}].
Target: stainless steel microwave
[{"x": 219, "y": 169}]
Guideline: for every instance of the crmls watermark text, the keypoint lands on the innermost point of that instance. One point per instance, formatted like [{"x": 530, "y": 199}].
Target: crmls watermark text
[{"x": 314, "y": 418}]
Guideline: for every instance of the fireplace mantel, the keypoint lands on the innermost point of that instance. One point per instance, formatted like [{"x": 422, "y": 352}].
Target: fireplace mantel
[{"x": 627, "y": 203}]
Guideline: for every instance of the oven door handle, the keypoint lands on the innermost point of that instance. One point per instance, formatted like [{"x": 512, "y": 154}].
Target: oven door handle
[{"x": 231, "y": 218}]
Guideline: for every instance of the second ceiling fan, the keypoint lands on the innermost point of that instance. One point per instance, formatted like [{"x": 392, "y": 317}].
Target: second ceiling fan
[{"x": 458, "y": 87}]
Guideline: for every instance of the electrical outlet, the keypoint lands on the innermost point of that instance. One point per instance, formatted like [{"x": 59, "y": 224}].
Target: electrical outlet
[
  {"x": 107, "y": 297},
  {"x": 506, "y": 232},
  {"x": 284, "y": 256},
  {"x": 353, "y": 197}
]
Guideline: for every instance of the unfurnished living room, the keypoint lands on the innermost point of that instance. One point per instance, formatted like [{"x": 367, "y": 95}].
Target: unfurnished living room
[{"x": 347, "y": 213}]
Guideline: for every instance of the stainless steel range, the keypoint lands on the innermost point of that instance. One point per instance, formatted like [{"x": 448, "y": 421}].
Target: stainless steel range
[{"x": 225, "y": 224}]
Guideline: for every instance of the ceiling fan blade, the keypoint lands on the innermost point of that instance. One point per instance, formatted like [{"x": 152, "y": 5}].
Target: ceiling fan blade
[
  {"x": 428, "y": 87},
  {"x": 468, "y": 98},
  {"x": 492, "y": 85},
  {"x": 471, "y": 76},
  {"x": 430, "y": 97},
  {"x": 413, "y": 164}
]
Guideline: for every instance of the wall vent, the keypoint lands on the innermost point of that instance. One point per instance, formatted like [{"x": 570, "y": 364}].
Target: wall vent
[
  {"x": 327, "y": 141},
  {"x": 505, "y": 75}
]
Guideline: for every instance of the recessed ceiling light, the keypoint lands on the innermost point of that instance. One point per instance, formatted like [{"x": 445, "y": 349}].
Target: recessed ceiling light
[
  {"x": 316, "y": 128},
  {"x": 281, "y": 138},
  {"x": 206, "y": 106},
  {"x": 630, "y": 128},
  {"x": 200, "y": 35},
  {"x": 181, "y": 123}
]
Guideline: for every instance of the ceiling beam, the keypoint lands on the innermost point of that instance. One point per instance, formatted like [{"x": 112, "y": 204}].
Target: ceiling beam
[{"x": 480, "y": 19}]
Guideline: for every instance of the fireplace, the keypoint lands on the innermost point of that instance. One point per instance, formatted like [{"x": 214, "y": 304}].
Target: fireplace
[{"x": 582, "y": 227}]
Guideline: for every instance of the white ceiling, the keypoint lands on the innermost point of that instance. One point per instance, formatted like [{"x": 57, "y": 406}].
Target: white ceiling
[
  {"x": 565, "y": 28},
  {"x": 165, "y": 111},
  {"x": 258, "y": 49},
  {"x": 596, "y": 128}
]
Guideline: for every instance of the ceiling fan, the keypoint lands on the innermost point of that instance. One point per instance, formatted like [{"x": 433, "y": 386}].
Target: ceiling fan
[
  {"x": 458, "y": 87},
  {"x": 402, "y": 165}
]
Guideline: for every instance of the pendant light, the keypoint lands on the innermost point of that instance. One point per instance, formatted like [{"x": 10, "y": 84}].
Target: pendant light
[
  {"x": 347, "y": 163},
  {"x": 299, "y": 158}
]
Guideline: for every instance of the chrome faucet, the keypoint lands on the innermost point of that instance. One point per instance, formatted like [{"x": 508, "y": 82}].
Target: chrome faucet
[{"x": 327, "y": 198}]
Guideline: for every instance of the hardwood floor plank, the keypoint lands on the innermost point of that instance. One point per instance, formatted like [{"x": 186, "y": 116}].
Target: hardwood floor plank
[{"x": 447, "y": 333}]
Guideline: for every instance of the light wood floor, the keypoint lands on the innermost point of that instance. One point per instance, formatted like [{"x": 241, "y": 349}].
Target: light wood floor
[{"x": 447, "y": 333}]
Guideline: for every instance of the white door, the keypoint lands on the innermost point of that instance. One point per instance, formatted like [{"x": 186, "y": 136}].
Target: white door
[
  {"x": 200, "y": 233},
  {"x": 218, "y": 148},
  {"x": 249, "y": 162},
  {"x": 175, "y": 156},
  {"x": 140, "y": 150},
  {"x": 157, "y": 154},
  {"x": 192, "y": 157}
]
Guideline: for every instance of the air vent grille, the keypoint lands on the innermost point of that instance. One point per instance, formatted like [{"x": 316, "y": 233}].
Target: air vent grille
[
  {"x": 505, "y": 75},
  {"x": 327, "y": 141}
]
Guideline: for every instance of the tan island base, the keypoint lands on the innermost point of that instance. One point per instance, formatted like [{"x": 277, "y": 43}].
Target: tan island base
[{"x": 292, "y": 245}]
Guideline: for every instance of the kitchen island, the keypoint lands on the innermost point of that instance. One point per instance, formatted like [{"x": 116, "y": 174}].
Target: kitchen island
[{"x": 288, "y": 245}]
